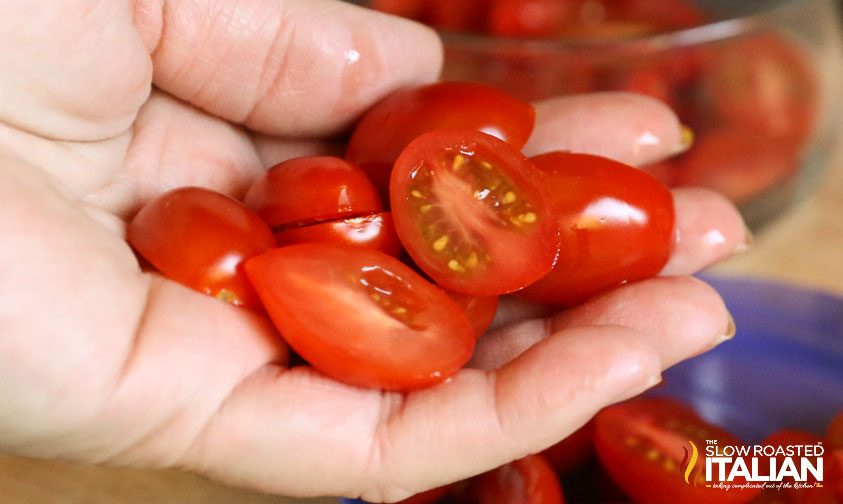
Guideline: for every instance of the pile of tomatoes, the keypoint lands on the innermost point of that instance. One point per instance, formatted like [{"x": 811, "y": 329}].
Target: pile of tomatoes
[
  {"x": 382, "y": 269},
  {"x": 638, "y": 451},
  {"x": 752, "y": 101}
]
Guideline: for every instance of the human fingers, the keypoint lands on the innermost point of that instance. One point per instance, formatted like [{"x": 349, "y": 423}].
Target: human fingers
[
  {"x": 286, "y": 68},
  {"x": 680, "y": 316},
  {"x": 627, "y": 127},
  {"x": 298, "y": 433}
]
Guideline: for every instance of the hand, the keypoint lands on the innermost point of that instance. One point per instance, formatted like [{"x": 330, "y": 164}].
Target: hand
[{"x": 108, "y": 103}]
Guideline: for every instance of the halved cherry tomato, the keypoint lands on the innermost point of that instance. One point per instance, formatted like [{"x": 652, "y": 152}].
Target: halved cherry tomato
[
  {"x": 834, "y": 450},
  {"x": 307, "y": 190},
  {"x": 388, "y": 127},
  {"x": 479, "y": 310},
  {"x": 529, "y": 480},
  {"x": 472, "y": 213},
  {"x": 200, "y": 238},
  {"x": 645, "y": 446},
  {"x": 360, "y": 316},
  {"x": 374, "y": 231},
  {"x": 573, "y": 451},
  {"x": 615, "y": 221}
]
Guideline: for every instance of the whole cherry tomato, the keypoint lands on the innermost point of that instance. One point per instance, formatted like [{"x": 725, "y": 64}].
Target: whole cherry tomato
[
  {"x": 461, "y": 15},
  {"x": 375, "y": 231},
  {"x": 646, "y": 447},
  {"x": 615, "y": 222},
  {"x": 200, "y": 238},
  {"x": 307, "y": 190},
  {"x": 472, "y": 213},
  {"x": 532, "y": 18},
  {"x": 360, "y": 316},
  {"x": 529, "y": 480},
  {"x": 388, "y": 127}
]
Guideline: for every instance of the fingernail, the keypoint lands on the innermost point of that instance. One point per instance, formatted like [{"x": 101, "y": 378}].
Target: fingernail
[
  {"x": 746, "y": 244},
  {"x": 640, "y": 387},
  {"x": 728, "y": 334},
  {"x": 686, "y": 140}
]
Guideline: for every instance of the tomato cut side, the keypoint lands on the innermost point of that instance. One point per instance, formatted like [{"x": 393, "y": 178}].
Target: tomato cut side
[
  {"x": 529, "y": 480},
  {"x": 645, "y": 445},
  {"x": 360, "y": 316},
  {"x": 388, "y": 127},
  {"x": 615, "y": 222},
  {"x": 375, "y": 231},
  {"x": 200, "y": 238},
  {"x": 308, "y": 190},
  {"x": 472, "y": 213}
]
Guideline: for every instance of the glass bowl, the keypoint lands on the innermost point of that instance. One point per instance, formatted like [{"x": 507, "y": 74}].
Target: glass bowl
[{"x": 758, "y": 83}]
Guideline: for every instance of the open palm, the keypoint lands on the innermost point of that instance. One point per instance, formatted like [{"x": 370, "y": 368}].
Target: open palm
[{"x": 106, "y": 103}]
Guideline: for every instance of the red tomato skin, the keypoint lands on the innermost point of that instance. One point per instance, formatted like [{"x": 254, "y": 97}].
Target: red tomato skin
[
  {"x": 200, "y": 238},
  {"x": 616, "y": 225},
  {"x": 413, "y": 9},
  {"x": 462, "y": 15},
  {"x": 573, "y": 451},
  {"x": 834, "y": 450},
  {"x": 330, "y": 303},
  {"x": 529, "y": 480},
  {"x": 479, "y": 310},
  {"x": 661, "y": 480},
  {"x": 307, "y": 190},
  {"x": 388, "y": 127},
  {"x": 376, "y": 231},
  {"x": 737, "y": 163},
  {"x": 518, "y": 257},
  {"x": 532, "y": 18}
]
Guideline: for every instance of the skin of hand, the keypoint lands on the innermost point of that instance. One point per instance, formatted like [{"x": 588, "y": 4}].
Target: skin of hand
[{"x": 107, "y": 103}]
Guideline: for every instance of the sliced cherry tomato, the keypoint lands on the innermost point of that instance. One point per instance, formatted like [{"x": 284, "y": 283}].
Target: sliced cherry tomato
[
  {"x": 199, "y": 238},
  {"x": 616, "y": 225},
  {"x": 834, "y": 456},
  {"x": 737, "y": 162},
  {"x": 360, "y": 316},
  {"x": 529, "y": 480},
  {"x": 532, "y": 18},
  {"x": 392, "y": 124},
  {"x": 766, "y": 85},
  {"x": 374, "y": 231},
  {"x": 480, "y": 310},
  {"x": 642, "y": 445},
  {"x": 472, "y": 213},
  {"x": 573, "y": 451},
  {"x": 307, "y": 190}
]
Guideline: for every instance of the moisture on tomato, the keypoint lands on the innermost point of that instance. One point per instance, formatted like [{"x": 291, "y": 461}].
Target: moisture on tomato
[
  {"x": 200, "y": 238},
  {"x": 360, "y": 316},
  {"x": 472, "y": 213},
  {"x": 375, "y": 231},
  {"x": 308, "y": 190}
]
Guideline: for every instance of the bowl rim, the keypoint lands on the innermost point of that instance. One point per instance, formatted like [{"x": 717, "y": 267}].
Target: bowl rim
[{"x": 712, "y": 31}]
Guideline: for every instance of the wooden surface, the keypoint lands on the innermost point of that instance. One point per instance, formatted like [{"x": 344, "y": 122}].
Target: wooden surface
[{"x": 803, "y": 246}]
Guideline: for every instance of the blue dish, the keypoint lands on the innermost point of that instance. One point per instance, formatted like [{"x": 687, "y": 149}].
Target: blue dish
[{"x": 784, "y": 369}]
